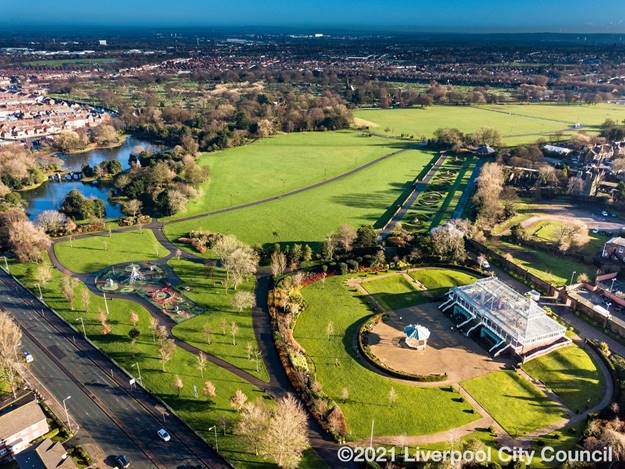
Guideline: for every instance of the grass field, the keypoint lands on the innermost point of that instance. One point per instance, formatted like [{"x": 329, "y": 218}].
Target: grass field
[
  {"x": 434, "y": 278},
  {"x": 282, "y": 163},
  {"x": 76, "y": 62},
  {"x": 416, "y": 411},
  {"x": 516, "y": 123},
  {"x": 571, "y": 373},
  {"x": 97, "y": 252},
  {"x": 551, "y": 267},
  {"x": 395, "y": 292},
  {"x": 199, "y": 413},
  {"x": 207, "y": 291},
  {"x": 367, "y": 197},
  {"x": 517, "y": 405}
]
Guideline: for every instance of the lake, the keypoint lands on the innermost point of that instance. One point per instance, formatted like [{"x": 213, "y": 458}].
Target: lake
[{"x": 50, "y": 195}]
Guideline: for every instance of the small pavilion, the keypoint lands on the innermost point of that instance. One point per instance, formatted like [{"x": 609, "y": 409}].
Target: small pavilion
[{"x": 416, "y": 336}]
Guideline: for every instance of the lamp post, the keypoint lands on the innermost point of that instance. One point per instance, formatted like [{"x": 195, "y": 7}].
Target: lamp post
[
  {"x": 572, "y": 275},
  {"x": 214, "y": 428},
  {"x": 106, "y": 305},
  {"x": 69, "y": 425},
  {"x": 138, "y": 371},
  {"x": 612, "y": 286},
  {"x": 6, "y": 264}
]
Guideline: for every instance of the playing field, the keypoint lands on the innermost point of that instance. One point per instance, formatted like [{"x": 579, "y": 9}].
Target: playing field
[
  {"x": 516, "y": 123},
  {"x": 367, "y": 197},
  {"x": 283, "y": 163},
  {"x": 416, "y": 411}
]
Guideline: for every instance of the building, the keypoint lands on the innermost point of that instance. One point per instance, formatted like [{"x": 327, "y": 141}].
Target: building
[
  {"x": 45, "y": 455},
  {"x": 557, "y": 151},
  {"x": 485, "y": 150},
  {"x": 20, "y": 426},
  {"x": 504, "y": 318},
  {"x": 416, "y": 336},
  {"x": 614, "y": 249}
]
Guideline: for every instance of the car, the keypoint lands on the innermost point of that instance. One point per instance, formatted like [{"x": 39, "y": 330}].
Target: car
[
  {"x": 121, "y": 461},
  {"x": 163, "y": 435},
  {"x": 486, "y": 265},
  {"x": 604, "y": 213},
  {"x": 595, "y": 231},
  {"x": 28, "y": 358}
]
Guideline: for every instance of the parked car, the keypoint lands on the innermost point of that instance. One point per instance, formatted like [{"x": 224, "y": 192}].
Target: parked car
[
  {"x": 121, "y": 461},
  {"x": 28, "y": 358},
  {"x": 163, "y": 435},
  {"x": 604, "y": 213}
]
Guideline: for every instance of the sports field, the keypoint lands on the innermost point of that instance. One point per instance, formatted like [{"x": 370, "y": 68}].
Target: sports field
[
  {"x": 516, "y": 123},
  {"x": 367, "y": 197},
  {"x": 282, "y": 163}
]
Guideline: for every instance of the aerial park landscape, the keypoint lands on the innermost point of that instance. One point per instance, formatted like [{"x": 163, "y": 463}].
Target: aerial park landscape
[{"x": 227, "y": 249}]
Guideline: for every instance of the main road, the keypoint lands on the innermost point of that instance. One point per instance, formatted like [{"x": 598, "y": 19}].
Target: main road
[{"x": 111, "y": 415}]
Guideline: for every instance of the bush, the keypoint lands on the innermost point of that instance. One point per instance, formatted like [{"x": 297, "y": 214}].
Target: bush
[{"x": 343, "y": 269}]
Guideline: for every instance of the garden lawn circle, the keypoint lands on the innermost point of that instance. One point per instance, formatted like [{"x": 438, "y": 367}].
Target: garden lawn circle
[{"x": 417, "y": 410}]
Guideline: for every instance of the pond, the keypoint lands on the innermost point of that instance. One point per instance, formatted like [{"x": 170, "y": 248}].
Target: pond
[{"x": 50, "y": 195}]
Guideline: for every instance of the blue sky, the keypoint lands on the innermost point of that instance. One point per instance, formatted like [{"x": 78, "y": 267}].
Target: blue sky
[{"x": 431, "y": 15}]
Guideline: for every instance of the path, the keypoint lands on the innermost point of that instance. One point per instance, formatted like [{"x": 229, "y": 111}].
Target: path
[{"x": 468, "y": 191}]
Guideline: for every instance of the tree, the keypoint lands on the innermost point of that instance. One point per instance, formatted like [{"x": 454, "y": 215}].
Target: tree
[
  {"x": 10, "y": 345},
  {"x": 43, "y": 274},
  {"x": 153, "y": 327},
  {"x": 488, "y": 193},
  {"x": 134, "y": 318},
  {"x": 166, "y": 351},
  {"x": 285, "y": 438},
  {"x": 344, "y": 237},
  {"x": 85, "y": 299},
  {"x": 447, "y": 243},
  {"x": 51, "y": 221},
  {"x": 209, "y": 390},
  {"x": 234, "y": 330},
  {"x": 68, "y": 290},
  {"x": 392, "y": 396},
  {"x": 238, "y": 259},
  {"x": 202, "y": 363},
  {"x": 278, "y": 263},
  {"x": 27, "y": 241},
  {"x": 366, "y": 237},
  {"x": 243, "y": 299},
  {"x": 178, "y": 384},
  {"x": 238, "y": 400},
  {"x": 132, "y": 207},
  {"x": 253, "y": 424},
  {"x": 344, "y": 394},
  {"x": 330, "y": 329},
  {"x": 572, "y": 234},
  {"x": 134, "y": 334},
  {"x": 207, "y": 330}
]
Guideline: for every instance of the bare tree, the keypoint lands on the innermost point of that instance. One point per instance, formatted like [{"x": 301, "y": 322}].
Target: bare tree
[
  {"x": 166, "y": 351},
  {"x": 238, "y": 400},
  {"x": 488, "y": 193},
  {"x": 178, "y": 384},
  {"x": 67, "y": 288},
  {"x": 253, "y": 424},
  {"x": 10, "y": 343},
  {"x": 572, "y": 234},
  {"x": 134, "y": 318},
  {"x": 234, "y": 330},
  {"x": 330, "y": 329},
  {"x": 278, "y": 263},
  {"x": 344, "y": 237},
  {"x": 238, "y": 259},
  {"x": 85, "y": 298},
  {"x": 132, "y": 207},
  {"x": 392, "y": 396},
  {"x": 243, "y": 299},
  {"x": 209, "y": 390},
  {"x": 43, "y": 274},
  {"x": 344, "y": 394},
  {"x": 202, "y": 363},
  {"x": 285, "y": 438},
  {"x": 153, "y": 327},
  {"x": 207, "y": 330},
  {"x": 27, "y": 241}
]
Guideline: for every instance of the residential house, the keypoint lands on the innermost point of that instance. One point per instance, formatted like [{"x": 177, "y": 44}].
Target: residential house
[
  {"x": 614, "y": 248},
  {"x": 45, "y": 455},
  {"x": 20, "y": 426}
]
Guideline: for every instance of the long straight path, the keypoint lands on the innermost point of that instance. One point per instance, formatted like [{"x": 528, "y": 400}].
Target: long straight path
[{"x": 120, "y": 420}]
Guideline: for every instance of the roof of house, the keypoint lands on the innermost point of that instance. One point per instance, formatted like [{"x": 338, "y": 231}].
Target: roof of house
[
  {"x": 617, "y": 240},
  {"x": 19, "y": 419},
  {"x": 54, "y": 455}
]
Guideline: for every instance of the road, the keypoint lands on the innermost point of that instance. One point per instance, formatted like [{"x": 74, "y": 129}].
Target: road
[{"x": 111, "y": 415}]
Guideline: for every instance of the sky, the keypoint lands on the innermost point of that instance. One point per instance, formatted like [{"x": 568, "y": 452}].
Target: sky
[{"x": 417, "y": 15}]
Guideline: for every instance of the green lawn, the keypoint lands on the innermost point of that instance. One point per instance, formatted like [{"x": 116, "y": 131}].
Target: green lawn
[
  {"x": 207, "y": 291},
  {"x": 395, "y": 292},
  {"x": 97, "y": 252},
  {"x": 571, "y": 373},
  {"x": 434, "y": 278},
  {"x": 367, "y": 197},
  {"x": 515, "y": 403},
  {"x": 549, "y": 231},
  {"x": 199, "y": 413},
  {"x": 282, "y": 163},
  {"x": 516, "y": 123},
  {"x": 418, "y": 410},
  {"x": 549, "y": 266}
]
